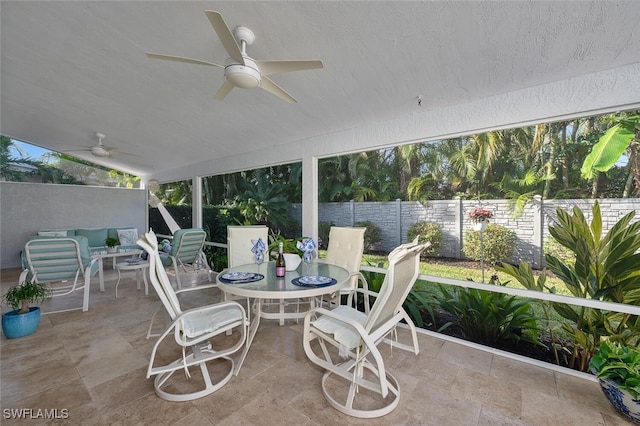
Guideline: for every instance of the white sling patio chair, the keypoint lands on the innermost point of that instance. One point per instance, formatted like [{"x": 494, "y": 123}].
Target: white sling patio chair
[
  {"x": 192, "y": 330},
  {"x": 187, "y": 249},
  {"x": 345, "y": 332},
  {"x": 64, "y": 263},
  {"x": 345, "y": 249}
]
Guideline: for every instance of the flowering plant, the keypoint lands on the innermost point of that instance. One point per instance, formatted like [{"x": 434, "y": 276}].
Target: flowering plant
[{"x": 479, "y": 214}]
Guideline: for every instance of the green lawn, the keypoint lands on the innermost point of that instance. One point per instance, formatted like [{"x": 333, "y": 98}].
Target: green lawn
[{"x": 462, "y": 272}]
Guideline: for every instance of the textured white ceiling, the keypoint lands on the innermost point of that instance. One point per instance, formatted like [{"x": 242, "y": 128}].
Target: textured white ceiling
[{"x": 70, "y": 69}]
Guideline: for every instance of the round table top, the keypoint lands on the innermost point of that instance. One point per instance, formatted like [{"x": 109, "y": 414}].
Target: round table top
[
  {"x": 129, "y": 265},
  {"x": 282, "y": 288}
]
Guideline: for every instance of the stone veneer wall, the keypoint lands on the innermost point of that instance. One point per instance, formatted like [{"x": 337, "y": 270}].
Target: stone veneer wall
[{"x": 395, "y": 217}]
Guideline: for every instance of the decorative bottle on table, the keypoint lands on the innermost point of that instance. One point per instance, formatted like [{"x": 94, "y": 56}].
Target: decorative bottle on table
[{"x": 280, "y": 263}]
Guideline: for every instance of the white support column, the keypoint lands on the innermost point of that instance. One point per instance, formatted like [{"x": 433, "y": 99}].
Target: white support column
[
  {"x": 310, "y": 197},
  {"x": 196, "y": 204}
]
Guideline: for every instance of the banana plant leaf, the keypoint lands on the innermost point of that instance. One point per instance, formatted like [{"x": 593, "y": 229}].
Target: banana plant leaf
[{"x": 606, "y": 152}]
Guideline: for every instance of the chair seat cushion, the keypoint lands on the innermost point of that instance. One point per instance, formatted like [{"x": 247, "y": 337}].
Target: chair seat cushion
[
  {"x": 342, "y": 332},
  {"x": 197, "y": 323}
]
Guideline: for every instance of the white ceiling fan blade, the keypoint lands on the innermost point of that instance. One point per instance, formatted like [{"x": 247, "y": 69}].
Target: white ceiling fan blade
[
  {"x": 223, "y": 91},
  {"x": 224, "y": 34},
  {"x": 276, "y": 67},
  {"x": 267, "y": 84},
  {"x": 118, "y": 152},
  {"x": 181, "y": 59}
]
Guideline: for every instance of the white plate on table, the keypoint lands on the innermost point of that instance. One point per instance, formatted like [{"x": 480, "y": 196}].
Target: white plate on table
[
  {"x": 235, "y": 276},
  {"x": 314, "y": 280}
]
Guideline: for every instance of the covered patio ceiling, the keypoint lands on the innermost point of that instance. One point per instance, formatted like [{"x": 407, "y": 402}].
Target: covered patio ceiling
[{"x": 71, "y": 69}]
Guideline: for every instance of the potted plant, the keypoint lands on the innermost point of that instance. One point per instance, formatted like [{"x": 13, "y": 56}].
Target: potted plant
[
  {"x": 111, "y": 243},
  {"x": 618, "y": 369},
  {"x": 480, "y": 217},
  {"x": 289, "y": 248},
  {"x": 24, "y": 319}
]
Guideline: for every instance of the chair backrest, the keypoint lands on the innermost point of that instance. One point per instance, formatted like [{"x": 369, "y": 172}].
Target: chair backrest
[
  {"x": 404, "y": 267},
  {"x": 187, "y": 244},
  {"x": 239, "y": 243},
  {"x": 158, "y": 275},
  {"x": 345, "y": 249},
  {"x": 55, "y": 259}
]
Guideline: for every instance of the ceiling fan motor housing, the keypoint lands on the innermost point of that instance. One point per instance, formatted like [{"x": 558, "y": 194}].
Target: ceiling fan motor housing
[{"x": 243, "y": 76}]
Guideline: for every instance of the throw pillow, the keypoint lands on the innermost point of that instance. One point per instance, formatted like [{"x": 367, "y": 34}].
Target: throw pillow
[
  {"x": 127, "y": 236},
  {"x": 52, "y": 233}
]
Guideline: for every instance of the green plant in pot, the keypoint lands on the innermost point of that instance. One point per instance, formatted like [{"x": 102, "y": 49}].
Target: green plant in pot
[
  {"x": 618, "y": 368},
  {"x": 289, "y": 248},
  {"x": 111, "y": 243},
  {"x": 24, "y": 319}
]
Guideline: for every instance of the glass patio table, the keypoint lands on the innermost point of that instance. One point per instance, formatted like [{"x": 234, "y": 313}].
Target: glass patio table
[{"x": 259, "y": 282}]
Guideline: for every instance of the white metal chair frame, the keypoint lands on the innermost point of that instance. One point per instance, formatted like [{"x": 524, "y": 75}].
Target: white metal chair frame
[
  {"x": 189, "y": 251},
  {"x": 58, "y": 260},
  {"x": 357, "y": 335},
  {"x": 191, "y": 329}
]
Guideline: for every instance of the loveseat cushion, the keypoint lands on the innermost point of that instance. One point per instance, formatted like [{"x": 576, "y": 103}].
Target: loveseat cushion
[{"x": 96, "y": 236}]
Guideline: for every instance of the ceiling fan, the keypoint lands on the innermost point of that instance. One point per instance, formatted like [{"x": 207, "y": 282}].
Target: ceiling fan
[
  {"x": 101, "y": 150},
  {"x": 240, "y": 70}
]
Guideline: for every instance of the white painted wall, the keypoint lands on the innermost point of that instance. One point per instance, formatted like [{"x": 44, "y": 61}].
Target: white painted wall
[{"x": 26, "y": 208}]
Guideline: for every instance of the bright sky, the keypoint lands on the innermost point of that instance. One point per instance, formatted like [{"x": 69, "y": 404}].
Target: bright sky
[{"x": 23, "y": 149}]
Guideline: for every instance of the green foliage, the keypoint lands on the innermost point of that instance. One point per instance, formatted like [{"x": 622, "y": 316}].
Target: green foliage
[
  {"x": 372, "y": 236},
  {"x": 488, "y": 317},
  {"x": 323, "y": 234},
  {"x": 620, "y": 364},
  {"x": 22, "y": 295},
  {"x": 560, "y": 252},
  {"x": 289, "y": 245},
  {"x": 609, "y": 148},
  {"x": 427, "y": 232},
  {"x": 497, "y": 243},
  {"x": 606, "y": 268},
  {"x": 111, "y": 242}
]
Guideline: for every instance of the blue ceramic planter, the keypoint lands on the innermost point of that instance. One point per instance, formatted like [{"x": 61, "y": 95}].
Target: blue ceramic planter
[
  {"x": 621, "y": 399},
  {"x": 18, "y": 325}
]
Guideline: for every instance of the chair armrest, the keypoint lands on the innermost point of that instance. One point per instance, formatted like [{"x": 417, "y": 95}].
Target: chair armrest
[
  {"x": 199, "y": 287},
  {"x": 23, "y": 276}
]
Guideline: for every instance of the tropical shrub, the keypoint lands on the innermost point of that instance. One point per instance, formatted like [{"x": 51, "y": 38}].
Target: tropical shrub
[
  {"x": 495, "y": 244},
  {"x": 426, "y": 231},
  {"x": 372, "y": 236},
  {"x": 488, "y": 317},
  {"x": 606, "y": 267},
  {"x": 557, "y": 250},
  {"x": 323, "y": 234}
]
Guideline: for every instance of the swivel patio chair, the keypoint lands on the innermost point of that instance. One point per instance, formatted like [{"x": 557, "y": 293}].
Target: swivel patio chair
[
  {"x": 64, "y": 263},
  {"x": 192, "y": 330},
  {"x": 187, "y": 250},
  {"x": 345, "y": 332}
]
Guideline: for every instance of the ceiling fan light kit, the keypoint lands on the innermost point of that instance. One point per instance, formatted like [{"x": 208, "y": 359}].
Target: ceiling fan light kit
[
  {"x": 243, "y": 76},
  {"x": 240, "y": 70}
]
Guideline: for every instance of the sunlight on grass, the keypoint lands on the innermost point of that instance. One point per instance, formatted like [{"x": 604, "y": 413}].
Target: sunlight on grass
[{"x": 459, "y": 272}]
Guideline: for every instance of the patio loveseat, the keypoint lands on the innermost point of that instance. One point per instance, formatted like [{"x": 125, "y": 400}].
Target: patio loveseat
[{"x": 126, "y": 235}]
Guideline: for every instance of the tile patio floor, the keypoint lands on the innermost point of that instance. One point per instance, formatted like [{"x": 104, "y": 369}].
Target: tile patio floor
[{"x": 93, "y": 365}]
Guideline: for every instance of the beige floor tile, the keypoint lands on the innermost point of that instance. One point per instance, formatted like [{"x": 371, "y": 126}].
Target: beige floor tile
[{"x": 94, "y": 365}]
